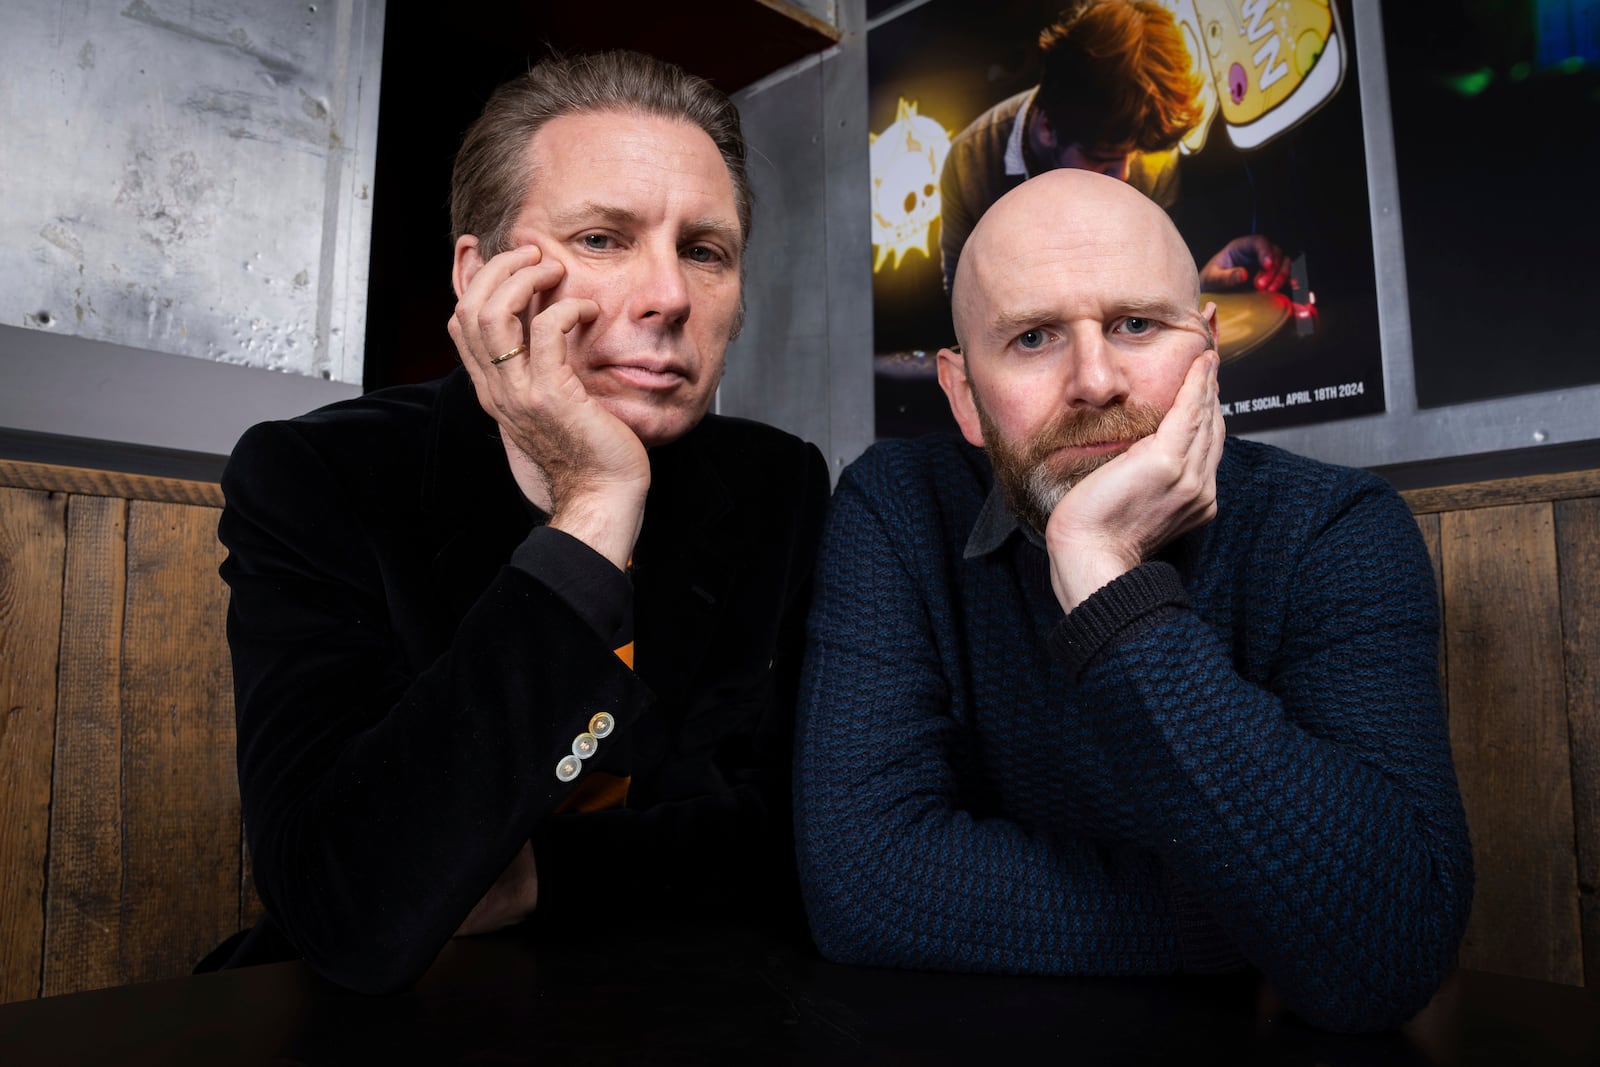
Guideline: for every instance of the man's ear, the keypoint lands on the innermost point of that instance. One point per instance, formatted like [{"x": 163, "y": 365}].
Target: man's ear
[
  {"x": 1044, "y": 135},
  {"x": 467, "y": 263},
  {"x": 1210, "y": 315},
  {"x": 958, "y": 390}
]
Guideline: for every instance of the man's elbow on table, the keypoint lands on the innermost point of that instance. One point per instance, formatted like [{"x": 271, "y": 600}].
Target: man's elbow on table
[{"x": 368, "y": 959}]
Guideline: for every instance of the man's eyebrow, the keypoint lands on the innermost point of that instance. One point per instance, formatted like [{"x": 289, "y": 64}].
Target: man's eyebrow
[
  {"x": 713, "y": 227},
  {"x": 1007, "y": 324},
  {"x": 591, "y": 211},
  {"x": 1157, "y": 308}
]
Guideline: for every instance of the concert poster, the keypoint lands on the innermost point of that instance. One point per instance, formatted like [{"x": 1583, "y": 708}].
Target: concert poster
[{"x": 1278, "y": 151}]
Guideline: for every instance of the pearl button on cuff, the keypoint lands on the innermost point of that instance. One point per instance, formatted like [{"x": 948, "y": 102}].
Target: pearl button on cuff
[{"x": 585, "y": 745}]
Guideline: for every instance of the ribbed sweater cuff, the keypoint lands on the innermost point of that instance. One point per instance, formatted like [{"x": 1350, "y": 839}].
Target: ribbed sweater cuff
[{"x": 1112, "y": 608}]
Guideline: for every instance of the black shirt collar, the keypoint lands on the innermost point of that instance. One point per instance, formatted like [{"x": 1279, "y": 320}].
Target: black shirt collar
[{"x": 996, "y": 523}]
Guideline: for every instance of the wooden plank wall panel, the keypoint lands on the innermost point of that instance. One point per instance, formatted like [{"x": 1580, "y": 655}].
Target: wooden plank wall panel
[
  {"x": 32, "y": 549},
  {"x": 129, "y": 681},
  {"x": 83, "y": 903},
  {"x": 1509, "y": 733},
  {"x": 180, "y": 792},
  {"x": 1429, "y": 525},
  {"x": 1578, "y": 548}
]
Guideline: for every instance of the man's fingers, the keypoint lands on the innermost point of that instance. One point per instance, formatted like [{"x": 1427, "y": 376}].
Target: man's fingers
[
  {"x": 1190, "y": 403},
  {"x": 501, "y": 315},
  {"x": 496, "y": 314},
  {"x": 547, "y": 340},
  {"x": 493, "y": 273},
  {"x": 1209, "y": 407},
  {"x": 1212, "y": 434},
  {"x": 1218, "y": 429},
  {"x": 1194, "y": 414},
  {"x": 563, "y": 316},
  {"x": 543, "y": 370},
  {"x": 515, "y": 293},
  {"x": 488, "y": 320}
]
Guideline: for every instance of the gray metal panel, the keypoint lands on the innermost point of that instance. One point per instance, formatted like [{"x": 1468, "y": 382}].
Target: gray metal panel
[
  {"x": 849, "y": 236},
  {"x": 805, "y": 360},
  {"x": 191, "y": 179},
  {"x": 73, "y": 387},
  {"x": 778, "y": 368}
]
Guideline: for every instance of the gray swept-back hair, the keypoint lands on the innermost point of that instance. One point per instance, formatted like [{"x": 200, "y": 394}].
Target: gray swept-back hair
[{"x": 491, "y": 179}]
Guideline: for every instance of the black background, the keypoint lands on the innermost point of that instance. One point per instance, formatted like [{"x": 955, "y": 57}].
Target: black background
[{"x": 1497, "y": 201}]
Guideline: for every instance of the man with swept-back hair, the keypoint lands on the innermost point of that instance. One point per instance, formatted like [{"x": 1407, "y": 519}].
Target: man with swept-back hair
[
  {"x": 1117, "y": 95},
  {"x": 521, "y": 643}
]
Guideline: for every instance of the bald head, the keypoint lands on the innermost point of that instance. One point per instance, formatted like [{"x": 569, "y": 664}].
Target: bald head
[
  {"x": 1062, "y": 227},
  {"x": 1076, "y": 303}
]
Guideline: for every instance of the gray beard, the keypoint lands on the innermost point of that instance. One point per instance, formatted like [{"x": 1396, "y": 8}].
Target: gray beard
[{"x": 1043, "y": 490}]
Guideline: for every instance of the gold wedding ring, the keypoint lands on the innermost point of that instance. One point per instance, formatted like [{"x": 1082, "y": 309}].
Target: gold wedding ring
[{"x": 513, "y": 354}]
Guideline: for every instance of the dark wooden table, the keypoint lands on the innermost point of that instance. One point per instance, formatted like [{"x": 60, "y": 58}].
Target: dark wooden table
[{"x": 698, "y": 996}]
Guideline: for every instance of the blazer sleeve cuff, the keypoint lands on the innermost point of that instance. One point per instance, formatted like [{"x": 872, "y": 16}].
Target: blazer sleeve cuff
[{"x": 586, "y": 581}]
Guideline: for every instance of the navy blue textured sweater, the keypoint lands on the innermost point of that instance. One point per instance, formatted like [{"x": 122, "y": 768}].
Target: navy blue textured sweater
[{"x": 1235, "y": 754}]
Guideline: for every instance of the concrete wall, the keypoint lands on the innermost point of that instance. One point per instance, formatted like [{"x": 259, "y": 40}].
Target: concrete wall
[
  {"x": 192, "y": 180},
  {"x": 182, "y": 186}
]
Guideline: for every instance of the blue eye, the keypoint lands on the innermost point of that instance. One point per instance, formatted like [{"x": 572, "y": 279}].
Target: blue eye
[
  {"x": 1031, "y": 339},
  {"x": 702, "y": 254},
  {"x": 596, "y": 241},
  {"x": 1136, "y": 325}
]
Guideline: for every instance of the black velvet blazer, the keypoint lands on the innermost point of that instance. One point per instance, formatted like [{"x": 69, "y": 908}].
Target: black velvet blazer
[{"x": 404, "y": 694}]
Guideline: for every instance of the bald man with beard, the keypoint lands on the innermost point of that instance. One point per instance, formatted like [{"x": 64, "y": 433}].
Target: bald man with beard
[{"x": 1098, "y": 691}]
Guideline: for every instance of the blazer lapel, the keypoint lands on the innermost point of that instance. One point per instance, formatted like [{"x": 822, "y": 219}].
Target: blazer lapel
[
  {"x": 687, "y": 557},
  {"x": 476, "y": 513}
]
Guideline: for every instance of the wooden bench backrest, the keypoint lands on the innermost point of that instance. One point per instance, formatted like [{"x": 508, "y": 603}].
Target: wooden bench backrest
[
  {"x": 1518, "y": 569},
  {"x": 120, "y": 840},
  {"x": 121, "y": 857}
]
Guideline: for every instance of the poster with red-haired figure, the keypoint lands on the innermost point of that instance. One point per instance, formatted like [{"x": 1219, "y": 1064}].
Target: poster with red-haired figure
[{"x": 1240, "y": 117}]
